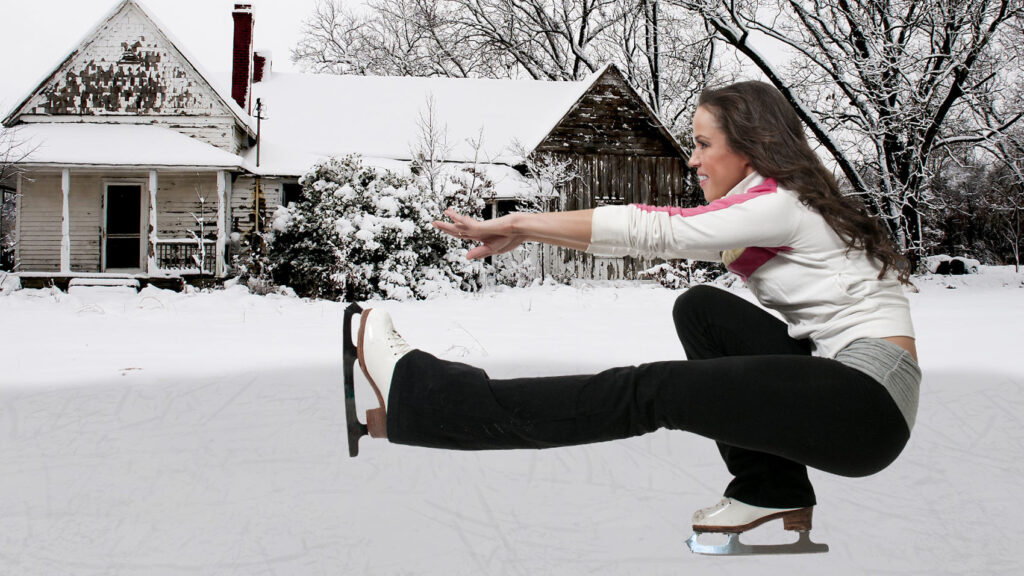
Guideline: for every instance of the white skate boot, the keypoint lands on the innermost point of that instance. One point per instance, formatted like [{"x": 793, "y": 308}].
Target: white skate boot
[
  {"x": 380, "y": 348},
  {"x": 733, "y": 517}
]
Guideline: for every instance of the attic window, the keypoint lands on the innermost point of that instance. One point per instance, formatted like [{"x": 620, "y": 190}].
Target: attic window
[{"x": 130, "y": 55}]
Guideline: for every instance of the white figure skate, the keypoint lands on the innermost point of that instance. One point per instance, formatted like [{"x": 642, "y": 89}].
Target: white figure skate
[
  {"x": 732, "y": 518},
  {"x": 378, "y": 349}
]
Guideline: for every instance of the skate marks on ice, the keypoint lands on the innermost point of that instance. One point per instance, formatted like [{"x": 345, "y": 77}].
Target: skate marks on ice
[
  {"x": 196, "y": 473},
  {"x": 241, "y": 470},
  {"x": 953, "y": 499}
]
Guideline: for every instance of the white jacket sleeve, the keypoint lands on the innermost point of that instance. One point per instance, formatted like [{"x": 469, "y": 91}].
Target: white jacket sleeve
[{"x": 766, "y": 220}]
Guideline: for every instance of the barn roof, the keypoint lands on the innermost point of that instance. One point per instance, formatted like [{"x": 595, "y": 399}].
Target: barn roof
[{"x": 312, "y": 116}]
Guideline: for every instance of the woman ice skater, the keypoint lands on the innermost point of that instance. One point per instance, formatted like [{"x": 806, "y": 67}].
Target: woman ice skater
[{"x": 834, "y": 387}]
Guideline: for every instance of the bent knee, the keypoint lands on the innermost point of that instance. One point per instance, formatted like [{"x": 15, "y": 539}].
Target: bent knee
[{"x": 692, "y": 306}]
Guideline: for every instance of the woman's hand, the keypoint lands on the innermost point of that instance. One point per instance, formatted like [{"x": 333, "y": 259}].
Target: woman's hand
[
  {"x": 496, "y": 236},
  {"x": 567, "y": 229}
]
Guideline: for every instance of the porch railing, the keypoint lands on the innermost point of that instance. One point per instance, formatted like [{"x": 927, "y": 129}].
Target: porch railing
[{"x": 184, "y": 256}]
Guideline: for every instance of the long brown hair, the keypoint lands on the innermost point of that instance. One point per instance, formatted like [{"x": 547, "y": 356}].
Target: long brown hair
[{"x": 760, "y": 124}]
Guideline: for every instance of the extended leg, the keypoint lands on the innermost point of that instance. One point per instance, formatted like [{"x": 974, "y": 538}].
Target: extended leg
[{"x": 812, "y": 411}]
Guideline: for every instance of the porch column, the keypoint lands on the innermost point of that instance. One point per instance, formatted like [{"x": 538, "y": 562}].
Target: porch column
[
  {"x": 17, "y": 224},
  {"x": 151, "y": 263},
  {"x": 222, "y": 222},
  {"x": 65, "y": 222}
]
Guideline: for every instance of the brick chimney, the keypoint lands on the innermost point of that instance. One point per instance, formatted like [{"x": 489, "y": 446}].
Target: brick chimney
[{"x": 241, "y": 56}]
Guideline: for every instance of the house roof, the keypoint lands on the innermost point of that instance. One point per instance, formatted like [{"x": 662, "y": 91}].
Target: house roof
[
  {"x": 309, "y": 117},
  {"x": 241, "y": 117},
  {"x": 73, "y": 143}
]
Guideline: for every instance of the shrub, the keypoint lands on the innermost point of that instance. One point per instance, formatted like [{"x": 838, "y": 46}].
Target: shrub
[{"x": 362, "y": 233}]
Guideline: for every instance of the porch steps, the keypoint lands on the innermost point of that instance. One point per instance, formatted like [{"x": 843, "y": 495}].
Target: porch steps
[
  {"x": 107, "y": 284},
  {"x": 93, "y": 279}
]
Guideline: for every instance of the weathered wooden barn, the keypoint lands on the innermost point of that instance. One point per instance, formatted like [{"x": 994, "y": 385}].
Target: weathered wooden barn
[{"x": 141, "y": 168}]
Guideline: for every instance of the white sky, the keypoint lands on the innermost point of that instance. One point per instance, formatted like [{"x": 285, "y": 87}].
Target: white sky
[{"x": 37, "y": 35}]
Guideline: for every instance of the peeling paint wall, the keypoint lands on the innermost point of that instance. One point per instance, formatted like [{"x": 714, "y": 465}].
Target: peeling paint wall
[{"x": 130, "y": 70}]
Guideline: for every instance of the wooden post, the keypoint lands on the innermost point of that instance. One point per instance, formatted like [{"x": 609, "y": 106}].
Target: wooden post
[
  {"x": 222, "y": 226},
  {"x": 17, "y": 224},
  {"x": 65, "y": 222},
  {"x": 151, "y": 262}
]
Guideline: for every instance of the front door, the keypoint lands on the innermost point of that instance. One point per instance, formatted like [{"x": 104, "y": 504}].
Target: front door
[{"x": 122, "y": 248}]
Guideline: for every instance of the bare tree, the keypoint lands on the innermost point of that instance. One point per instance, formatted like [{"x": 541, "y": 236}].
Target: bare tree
[
  {"x": 334, "y": 41},
  {"x": 668, "y": 57},
  {"x": 1006, "y": 194},
  {"x": 391, "y": 38},
  {"x": 431, "y": 149},
  {"x": 13, "y": 151},
  {"x": 879, "y": 84}
]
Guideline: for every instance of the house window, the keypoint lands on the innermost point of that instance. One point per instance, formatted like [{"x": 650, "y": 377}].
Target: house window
[{"x": 290, "y": 192}]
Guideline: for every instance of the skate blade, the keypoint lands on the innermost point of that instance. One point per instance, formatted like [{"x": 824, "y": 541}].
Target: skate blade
[
  {"x": 734, "y": 547},
  {"x": 356, "y": 429}
]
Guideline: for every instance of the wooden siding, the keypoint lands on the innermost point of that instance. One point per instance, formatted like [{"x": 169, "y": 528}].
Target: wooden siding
[
  {"x": 41, "y": 223},
  {"x": 179, "y": 206},
  {"x": 612, "y": 179},
  {"x": 242, "y": 218},
  {"x": 86, "y": 222},
  {"x": 40, "y": 235},
  {"x": 615, "y": 179}
]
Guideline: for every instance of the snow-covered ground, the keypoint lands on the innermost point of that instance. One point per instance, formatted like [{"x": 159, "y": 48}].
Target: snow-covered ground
[{"x": 204, "y": 433}]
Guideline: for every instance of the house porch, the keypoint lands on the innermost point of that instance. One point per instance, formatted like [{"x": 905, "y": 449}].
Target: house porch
[{"x": 118, "y": 222}]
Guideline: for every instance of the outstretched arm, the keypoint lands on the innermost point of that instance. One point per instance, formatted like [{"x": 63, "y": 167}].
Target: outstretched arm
[{"x": 500, "y": 235}]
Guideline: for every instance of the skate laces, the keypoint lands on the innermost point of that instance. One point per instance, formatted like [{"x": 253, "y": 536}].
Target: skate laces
[
  {"x": 397, "y": 344},
  {"x": 703, "y": 513}
]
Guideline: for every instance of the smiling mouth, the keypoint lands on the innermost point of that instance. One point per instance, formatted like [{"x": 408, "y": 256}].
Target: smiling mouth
[{"x": 701, "y": 179}]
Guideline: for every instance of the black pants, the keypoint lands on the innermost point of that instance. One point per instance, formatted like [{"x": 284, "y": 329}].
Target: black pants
[{"x": 772, "y": 407}]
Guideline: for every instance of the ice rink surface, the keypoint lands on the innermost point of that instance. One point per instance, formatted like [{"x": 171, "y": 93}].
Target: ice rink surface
[{"x": 169, "y": 434}]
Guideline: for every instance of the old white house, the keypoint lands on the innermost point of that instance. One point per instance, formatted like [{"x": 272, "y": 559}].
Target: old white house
[{"x": 142, "y": 169}]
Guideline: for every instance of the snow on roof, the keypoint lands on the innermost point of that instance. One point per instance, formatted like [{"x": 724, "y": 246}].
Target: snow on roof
[
  {"x": 313, "y": 116},
  {"x": 73, "y": 143},
  {"x": 508, "y": 182}
]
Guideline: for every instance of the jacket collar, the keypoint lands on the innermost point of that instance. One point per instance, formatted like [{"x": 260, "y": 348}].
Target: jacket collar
[{"x": 753, "y": 179}]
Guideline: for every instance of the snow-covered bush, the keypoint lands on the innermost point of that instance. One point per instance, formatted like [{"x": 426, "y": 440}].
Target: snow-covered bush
[
  {"x": 679, "y": 274},
  {"x": 361, "y": 233}
]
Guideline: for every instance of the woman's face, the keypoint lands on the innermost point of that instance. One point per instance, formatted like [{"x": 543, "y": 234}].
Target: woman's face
[{"x": 719, "y": 169}]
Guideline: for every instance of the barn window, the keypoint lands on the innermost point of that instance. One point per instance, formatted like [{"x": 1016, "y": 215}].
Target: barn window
[
  {"x": 501, "y": 207},
  {"x": 608, "y": 201}
]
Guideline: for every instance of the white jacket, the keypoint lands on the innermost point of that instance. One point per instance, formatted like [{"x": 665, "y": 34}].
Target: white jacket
[{"x": 791, "y": 259}]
